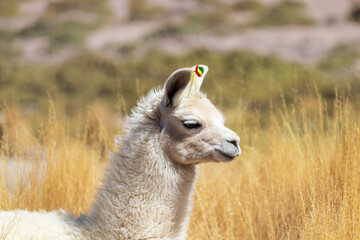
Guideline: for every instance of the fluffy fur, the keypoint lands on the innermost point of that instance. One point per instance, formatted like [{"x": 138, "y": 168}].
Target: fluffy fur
[
  {"x": 147, "y": 190},
  {"x": 24, "y": 225}
]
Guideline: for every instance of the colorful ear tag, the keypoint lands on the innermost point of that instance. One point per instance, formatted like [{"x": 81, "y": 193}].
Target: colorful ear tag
[
  {"x": 199, "y": 70},
  {"x": 197, "y": 77}
]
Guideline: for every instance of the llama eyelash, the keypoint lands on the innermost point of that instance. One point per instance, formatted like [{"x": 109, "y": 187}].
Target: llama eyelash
[{"x": 191, "y": 124}]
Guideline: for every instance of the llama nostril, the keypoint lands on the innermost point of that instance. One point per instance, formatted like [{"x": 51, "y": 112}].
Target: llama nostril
[{"x": 233, "y": 142}]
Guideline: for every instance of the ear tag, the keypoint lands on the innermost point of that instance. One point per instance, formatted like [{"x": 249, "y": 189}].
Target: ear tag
[{"x": 197, "y": 77}]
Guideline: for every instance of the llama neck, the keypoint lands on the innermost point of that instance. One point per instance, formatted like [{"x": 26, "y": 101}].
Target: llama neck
[{"x": 145, "y": 195}]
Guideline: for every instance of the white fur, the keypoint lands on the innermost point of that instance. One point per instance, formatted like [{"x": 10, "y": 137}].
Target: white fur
[
  {"x": 195, "y": 85},
  {"x": 24, "y": 225},
  {"x": 148, "y": 187}
]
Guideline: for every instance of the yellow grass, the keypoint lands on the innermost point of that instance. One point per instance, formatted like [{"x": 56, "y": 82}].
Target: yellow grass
[{"x": 298, "y": 177}]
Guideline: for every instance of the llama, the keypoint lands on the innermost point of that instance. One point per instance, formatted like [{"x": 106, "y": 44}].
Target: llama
[{"x": 148, "y": 186}]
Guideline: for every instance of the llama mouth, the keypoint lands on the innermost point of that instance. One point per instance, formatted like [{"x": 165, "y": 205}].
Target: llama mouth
[{"x": 225, "y": 157}]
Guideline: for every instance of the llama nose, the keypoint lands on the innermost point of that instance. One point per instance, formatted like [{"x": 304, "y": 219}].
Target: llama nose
[
  {"x": 233, "y": 139},
  {"x": 233, "y": 142}
]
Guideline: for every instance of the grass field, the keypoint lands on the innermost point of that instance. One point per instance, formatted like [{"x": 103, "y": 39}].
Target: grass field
[
  {"x": 234, "y": 78},
  {"x": 298, "y": 177},
  {"x": 299, "y": 173}
]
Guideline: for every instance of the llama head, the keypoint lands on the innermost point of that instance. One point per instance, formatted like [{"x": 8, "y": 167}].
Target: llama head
[{"x": 192, "y": 128}]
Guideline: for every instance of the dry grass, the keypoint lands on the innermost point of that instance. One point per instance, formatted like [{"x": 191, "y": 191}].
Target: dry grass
[
  {"x": 298, "y": 178},
  {"x": 55, "y": 170}
]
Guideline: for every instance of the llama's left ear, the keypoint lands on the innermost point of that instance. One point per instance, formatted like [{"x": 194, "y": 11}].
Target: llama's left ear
[
  {"x": 197, "y": 77},
  {"x": 183, "y": 82},
  {"x": 175, "y": 85}
]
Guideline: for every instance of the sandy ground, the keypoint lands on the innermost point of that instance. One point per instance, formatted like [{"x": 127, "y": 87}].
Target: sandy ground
[
  {"x": 35, "y": 50},
  {"x": 120, "y": 34},
  {"x": 323, "y": 10},
  {"x": 303, "y": 44},
  {"x": 307, "y": 45},
  {"x": 29, "y": 13}
]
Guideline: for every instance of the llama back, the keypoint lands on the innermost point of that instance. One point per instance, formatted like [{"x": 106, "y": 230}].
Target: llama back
[{"x": 24, "y": 225}]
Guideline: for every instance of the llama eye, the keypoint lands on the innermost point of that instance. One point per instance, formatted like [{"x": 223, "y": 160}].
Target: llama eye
[{"x": 191, "y": 124}]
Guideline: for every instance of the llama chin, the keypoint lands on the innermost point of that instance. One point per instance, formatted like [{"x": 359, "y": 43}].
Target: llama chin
[{"x": 148, "y": 186}]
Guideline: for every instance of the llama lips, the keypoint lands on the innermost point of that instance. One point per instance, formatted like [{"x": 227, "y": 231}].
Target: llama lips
[
  {"x": 228, "y": 150},
  {"x": 226, "y": 156}
]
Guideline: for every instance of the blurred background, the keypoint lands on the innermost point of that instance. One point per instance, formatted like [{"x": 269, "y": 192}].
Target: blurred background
[
  {"x": 286, "y": 74},
  {"x": 108, "y": 53}
]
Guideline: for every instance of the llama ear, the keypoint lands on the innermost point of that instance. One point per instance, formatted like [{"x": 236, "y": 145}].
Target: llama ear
[
  {"x": 197, "y": 77},
  {"x": 175, "y": 85},
  {"x": 182, "y": 83}
]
